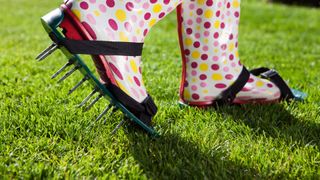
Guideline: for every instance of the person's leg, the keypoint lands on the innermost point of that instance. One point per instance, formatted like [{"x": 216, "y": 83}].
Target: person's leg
[
  {"x": 208, "y": 32},
  {"x": 125, "y": 21}
]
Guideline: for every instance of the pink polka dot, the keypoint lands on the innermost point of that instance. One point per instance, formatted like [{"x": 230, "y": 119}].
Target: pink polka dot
[
  {"x": 197, "y": 35},
  {"x": 91, "y": 19},
  {"x": 128, "y": 26},
  {"x": 116, "y": 71},
  {"x": 194, "y": 65},
  {"x": 203, "y": 84},
  {"x": 220, "y": 86},
  {"x": 84, "y": 5},
  {"x": 195, "y": 96},
  {"x": 110, "y": 3},
  {"x": 215, "y": 67},
  {"x": 129, "y": 6},
  {"x": 194, "y": 73},
  {"x": 203, "y": 77},
  {"x": 194, "y": 88},
  {"x": 229, "y": 76},
  {"x": 206, "y": 34},
  {"x": 136, "y": 80},
  {"x": 90, "y": 30},
  {"x": 135, "y": 93},
  {"x": 102, "y": 8},
  {"x": 215, "y": 58},
  {"x": 113, "y": 24},
  {"x": 147, "y": 16},
  {"x": 270, "y": 85}
]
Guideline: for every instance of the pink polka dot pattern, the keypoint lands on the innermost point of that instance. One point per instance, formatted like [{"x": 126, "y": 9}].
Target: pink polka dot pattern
[
  {"x": 209, "y": 40},
  {"x": 126, "y": 21}
]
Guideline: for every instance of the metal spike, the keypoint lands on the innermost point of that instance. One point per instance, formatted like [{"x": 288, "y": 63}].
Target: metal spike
[
  {"x": 69, "y": 73},
  {"x": 95, "y": 90},
  {"x": 104, "y": 112},
  {"x": 87, "y": 77},
  {"x": 118, "y": 127},
  {"x": 94, "y": 102},
  {"x": 47, "y": 52},
  {"x": 115, "y": 109},
  {"x": 71, "y": 61}
]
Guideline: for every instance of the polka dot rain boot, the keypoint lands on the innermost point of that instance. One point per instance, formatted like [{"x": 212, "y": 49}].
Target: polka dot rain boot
[
  {"x": 212, "y": 72},
  {"x": 112, "y": 32}
]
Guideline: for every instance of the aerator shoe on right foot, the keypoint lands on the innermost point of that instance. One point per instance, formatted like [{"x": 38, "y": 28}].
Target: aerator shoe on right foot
[{"x": 113, "y": 33}]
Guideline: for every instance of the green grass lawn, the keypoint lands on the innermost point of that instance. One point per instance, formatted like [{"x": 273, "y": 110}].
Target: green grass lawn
[{"x": 43, "y": 134}]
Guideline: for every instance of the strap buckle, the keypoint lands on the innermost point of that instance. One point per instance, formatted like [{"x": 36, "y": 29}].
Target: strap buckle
[{"x": 269, "y": 74}]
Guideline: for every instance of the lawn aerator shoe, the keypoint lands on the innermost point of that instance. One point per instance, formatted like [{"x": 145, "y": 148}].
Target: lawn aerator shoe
[
  {"x": 112, "y": 32},
  {"x": 212, "y": 72}
]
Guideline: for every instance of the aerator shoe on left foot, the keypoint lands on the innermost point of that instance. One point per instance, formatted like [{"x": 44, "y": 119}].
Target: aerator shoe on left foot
[{"x": 212, "y": 71}]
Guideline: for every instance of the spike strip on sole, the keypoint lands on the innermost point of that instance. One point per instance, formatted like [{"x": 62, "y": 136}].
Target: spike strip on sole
[{"x": 50, "y": 23}]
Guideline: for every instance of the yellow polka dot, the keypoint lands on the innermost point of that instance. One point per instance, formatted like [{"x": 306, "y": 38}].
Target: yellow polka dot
[
  {"x": 205, "y": 91},
  {"x": 236, "y": 4},
  {"x": 157, "y": 8},
  {"x": 203, "y": 67},
  {"x": 188, "y": 41},
  {"x": 208, "y": 13},
  {"x": 96, "y": 13},
  {"x": 134, "y": 66},
  {"x": 216, "y": 24},
  {"x": 138, "y": 32},
  {"x": 259, "y": 83},
  {"x": 130, "y": 79},
  {"x": 186, "y": 94},
  {"x": 200, "y": 2},
  {"x": 217, "y": 77},
  {"x": 194, "y": 80},
  {"x": 198, "y": 28},
  {"x": 231, "y": 46},
  {"x": 195, "y": 54},
  {"x": 123, "y": 36},
  {"x": 206, "y": 41},
  {"x": 123, "y": 88},
  {"x": 237, "y": 54},
  {"x": 152, "y": 22},
  {"x": 77, "y": 13},
  {"x": 215, "y": 50},
  {"x": 121, "y": 15}
]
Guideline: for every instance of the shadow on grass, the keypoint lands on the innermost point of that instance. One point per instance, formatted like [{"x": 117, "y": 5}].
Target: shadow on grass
[
  {"x": 172, "y": 157},
  {"x": 277, "y": 122}
]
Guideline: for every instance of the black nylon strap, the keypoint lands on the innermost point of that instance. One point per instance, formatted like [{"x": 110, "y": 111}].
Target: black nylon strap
[
  {"x": 144, "y": 111},
  {"x": 100, "y": 47},
  {"x": 273, "y": 76},
  {"x": 103, "y": 47},
  {"x": 228, "y": 95}
]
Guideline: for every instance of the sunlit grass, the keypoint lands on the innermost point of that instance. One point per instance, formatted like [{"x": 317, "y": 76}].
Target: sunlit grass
[{"x": 43, "y": 134}]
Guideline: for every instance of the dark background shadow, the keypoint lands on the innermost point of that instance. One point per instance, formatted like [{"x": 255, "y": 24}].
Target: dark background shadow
[{"x": 310, "y": 3}]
